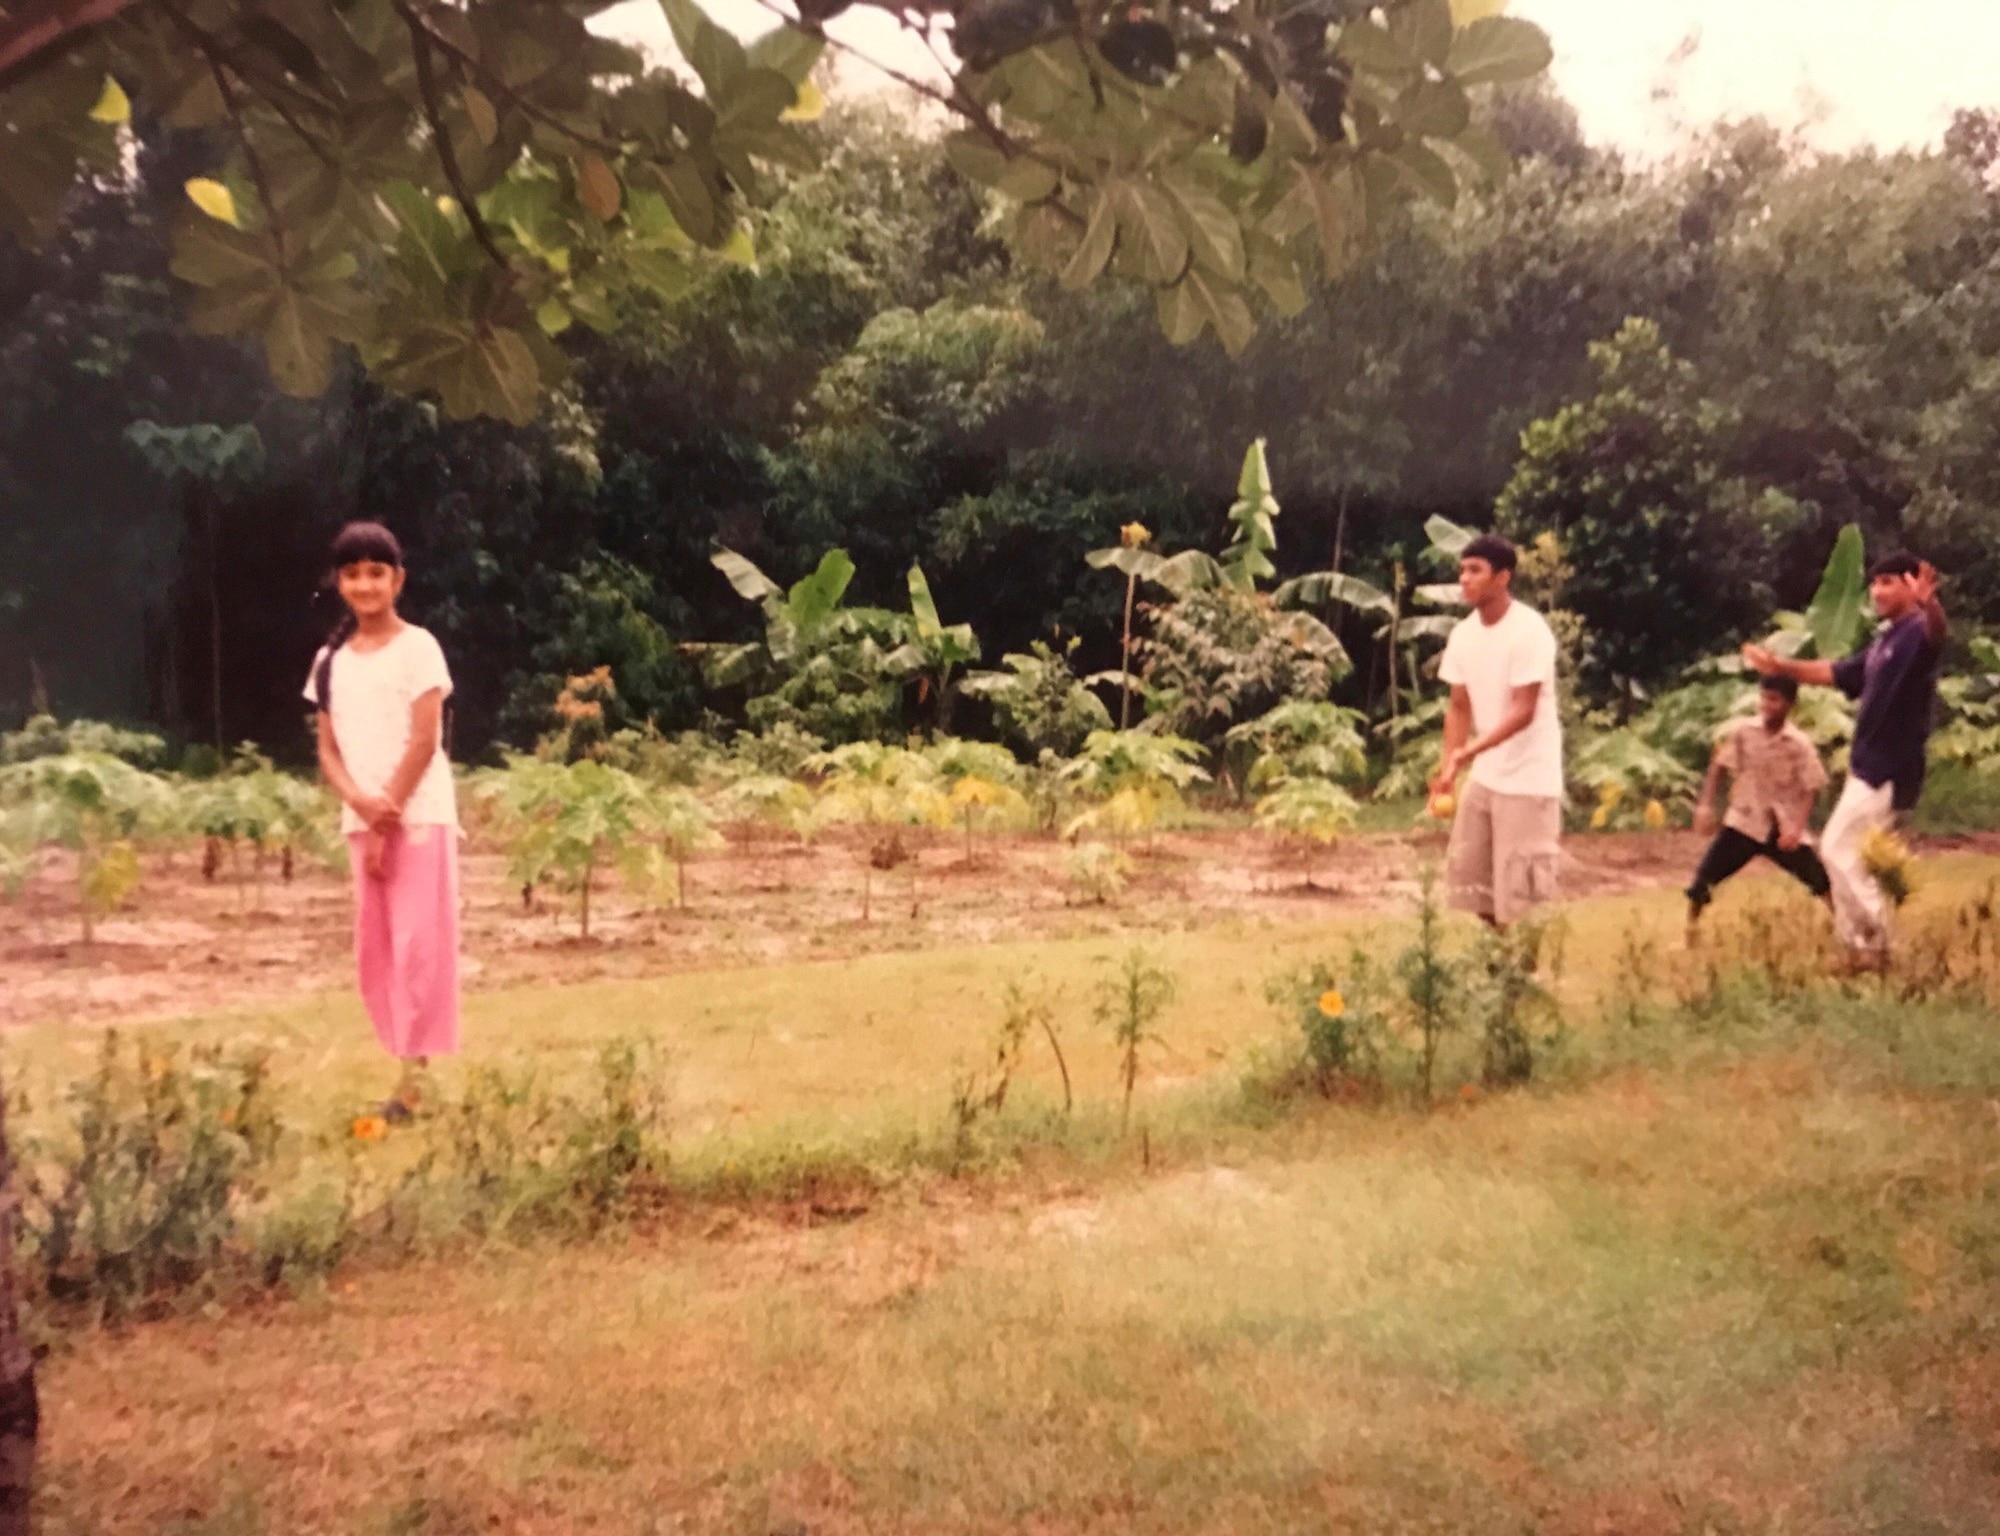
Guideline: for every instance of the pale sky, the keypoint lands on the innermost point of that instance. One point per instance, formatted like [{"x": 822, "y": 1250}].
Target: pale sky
[{"x": 1842, "y": 72}]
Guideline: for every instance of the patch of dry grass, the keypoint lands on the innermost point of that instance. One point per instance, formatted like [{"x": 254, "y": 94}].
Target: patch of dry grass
[{"x": 1747, "y": 1299}]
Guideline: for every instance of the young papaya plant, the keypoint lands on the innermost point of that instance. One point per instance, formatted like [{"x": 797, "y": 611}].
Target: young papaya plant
[
  {"x": 96, "y": 806},
  {"x": 1134, "y": 776},
  {"x": 253, "y": 805},
  {"x": 1314, "y": 812},
  {"x": 883, "y": 790},
  {"x": 570, "y": 822}
]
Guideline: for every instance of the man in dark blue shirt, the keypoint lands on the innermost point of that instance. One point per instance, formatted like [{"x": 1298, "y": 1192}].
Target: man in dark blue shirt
[{"x": 1895, "y": 679}]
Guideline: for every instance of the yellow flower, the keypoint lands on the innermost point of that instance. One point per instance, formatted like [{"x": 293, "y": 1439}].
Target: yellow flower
[
  {"x": 1611, "y": 792},
  {"x": 370, "y": 1128},
  {"x": 1656, "y": 815},
  {"x": 1599, "y": 817},
  {"x": 1332, "y": 1004},
  {"x": 1132, "y": 535}
]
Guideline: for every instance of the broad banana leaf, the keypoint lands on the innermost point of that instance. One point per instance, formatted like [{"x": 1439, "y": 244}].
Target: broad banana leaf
[
  {"x": 1837, "y": 617},
  {"x": 748, "y": 581},
  {"x": 1317, "y": 587}
]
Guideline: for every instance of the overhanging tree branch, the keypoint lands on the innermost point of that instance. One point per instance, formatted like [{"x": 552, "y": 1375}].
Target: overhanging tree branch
[
  {"x": 28, "y": 32},
  {"x": 447, "y": 155}
]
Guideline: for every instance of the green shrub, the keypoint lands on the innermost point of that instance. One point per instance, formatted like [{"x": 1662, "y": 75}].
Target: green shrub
[
  {"x": 141, "y": 1197},
  {"x": 1341, "y": 1018}
]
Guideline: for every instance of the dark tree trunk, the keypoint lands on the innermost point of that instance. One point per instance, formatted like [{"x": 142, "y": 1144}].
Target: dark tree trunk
[{"x": 20, "y": 1413}]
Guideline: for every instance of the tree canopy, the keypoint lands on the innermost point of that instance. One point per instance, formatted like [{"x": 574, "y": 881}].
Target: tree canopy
[{"x": 447, "y": 185}]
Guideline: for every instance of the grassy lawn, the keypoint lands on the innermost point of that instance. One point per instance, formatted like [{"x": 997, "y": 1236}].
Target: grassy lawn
[
  {"x": 844, "y": 1048},
  {"x": 1727, "y": 1272}
]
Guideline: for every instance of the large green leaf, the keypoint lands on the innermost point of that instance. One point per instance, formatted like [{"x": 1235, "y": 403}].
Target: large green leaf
[
  {"x": 1498, "y": 49},
  {"x": 299, "y": 308},
  {"x": 1838, "y": 613},
  {"x": 711, "y": 50},
  {"x": 1437, "y": 109},
  {"x": 1100, "y": 233},
  {"x": 1212, "y": 229},
  {"x": 475, "y": 369},
  {"x": 1447, "y": 537},
  {"x": 1423, "y": 28},
  {"x": 1319, "y": 587},
  {"x": 789, "y": 51},
  {"x": 813, "y": 598},
  {"x": 922, "y": 605},
  {"x": 1152, "y": 230},
  {"x": 748, "y": 581},
  {"x": 1224, "y": 307}
]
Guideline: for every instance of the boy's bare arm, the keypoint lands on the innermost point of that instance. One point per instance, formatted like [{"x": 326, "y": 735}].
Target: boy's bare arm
[{"x": 1704, "y": 807}]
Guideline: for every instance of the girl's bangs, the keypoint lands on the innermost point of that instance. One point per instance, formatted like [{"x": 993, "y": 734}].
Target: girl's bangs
[{"x": 366, "y": 541}]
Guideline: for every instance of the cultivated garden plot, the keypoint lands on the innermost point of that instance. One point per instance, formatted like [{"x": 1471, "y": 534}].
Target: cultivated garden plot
[{"x": 183, "y": 944}]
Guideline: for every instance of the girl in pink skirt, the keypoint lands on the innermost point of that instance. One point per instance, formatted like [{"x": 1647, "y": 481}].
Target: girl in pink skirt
[{"x": 380, "y": 687}]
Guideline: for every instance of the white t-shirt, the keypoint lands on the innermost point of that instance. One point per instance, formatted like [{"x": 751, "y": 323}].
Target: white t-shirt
[
  {"x": 1491, "y": 661},
  {"x": 373, "y": 692}
]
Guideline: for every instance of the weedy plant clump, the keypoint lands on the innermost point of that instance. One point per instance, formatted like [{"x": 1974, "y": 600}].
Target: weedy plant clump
[
  {"x": 1130, "y": 1004},
  {"x": 1367, "y": 1025},
  {"x": 1340, "y": 1010},
  {"x": 170, "y": 1177},
  {"x": 980, "y": 1096},
  {"x": 144, "y": 1194}
]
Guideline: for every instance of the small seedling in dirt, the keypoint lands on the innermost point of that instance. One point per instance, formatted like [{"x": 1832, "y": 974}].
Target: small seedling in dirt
[
  {"x": 1131, "y": 1003},
  {"x": 1097, "y": 872}
]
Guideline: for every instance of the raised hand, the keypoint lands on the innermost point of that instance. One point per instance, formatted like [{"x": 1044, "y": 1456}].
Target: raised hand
[
  {"x": 1759, "y": 659},
  {"x": 1924, "y": 585}
]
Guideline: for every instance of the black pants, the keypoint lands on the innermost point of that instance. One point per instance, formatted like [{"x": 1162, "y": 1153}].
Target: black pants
[{"x": 1731, "y": 850}]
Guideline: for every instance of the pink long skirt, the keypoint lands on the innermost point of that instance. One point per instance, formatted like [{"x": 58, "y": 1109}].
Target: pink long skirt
[{"x": 406, "y": 940}]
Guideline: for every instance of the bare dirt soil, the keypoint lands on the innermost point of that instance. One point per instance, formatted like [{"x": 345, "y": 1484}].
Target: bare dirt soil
[{"x": 185, "y": 945}]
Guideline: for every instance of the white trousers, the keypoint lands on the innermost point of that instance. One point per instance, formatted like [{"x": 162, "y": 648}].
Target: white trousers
[{"x": 1860, "y": 910}]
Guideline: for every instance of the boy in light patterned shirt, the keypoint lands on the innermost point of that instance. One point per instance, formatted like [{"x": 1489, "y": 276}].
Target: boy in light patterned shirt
[{"x": 1775, "y": 776}]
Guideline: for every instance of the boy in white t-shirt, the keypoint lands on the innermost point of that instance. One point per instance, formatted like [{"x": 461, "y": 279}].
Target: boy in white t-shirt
[{"x": 1502, "y": 724}]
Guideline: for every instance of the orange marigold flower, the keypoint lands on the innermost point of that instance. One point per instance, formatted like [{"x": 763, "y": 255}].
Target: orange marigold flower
[
  {"x": 1332, "y": 1004},
  {"x": 370, "y": 1128}
]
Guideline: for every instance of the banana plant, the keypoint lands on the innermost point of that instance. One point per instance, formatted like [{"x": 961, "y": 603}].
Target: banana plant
[
  {"x": 1398, "y": 630},
  {"x": 793, "y": 619},
  {"x": 934, "y": 653},
  {"x": 1243, "y": 565}
]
